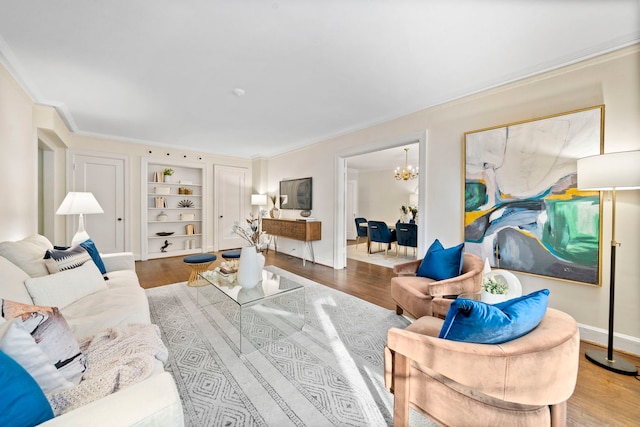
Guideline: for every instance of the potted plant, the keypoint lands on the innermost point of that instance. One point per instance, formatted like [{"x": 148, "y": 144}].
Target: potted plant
[
  {"x": 167, "y": 173},
  {"x": 493, "y": 290}
]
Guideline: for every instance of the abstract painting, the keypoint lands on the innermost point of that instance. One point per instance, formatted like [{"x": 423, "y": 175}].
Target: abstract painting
[{"x": 523, "y": 211}]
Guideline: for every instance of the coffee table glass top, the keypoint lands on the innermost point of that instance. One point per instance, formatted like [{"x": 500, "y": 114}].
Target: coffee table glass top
[
  {"x": 270, "y": 286},
  {"x": 277, "y": 303}
]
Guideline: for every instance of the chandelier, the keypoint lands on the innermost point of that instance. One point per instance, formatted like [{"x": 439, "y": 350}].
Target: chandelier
[{"x": 407, "y": 172}]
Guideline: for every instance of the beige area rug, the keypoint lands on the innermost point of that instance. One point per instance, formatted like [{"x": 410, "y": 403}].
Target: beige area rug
[
  {"x": 378, "y": 258},
  {"x": 330, "y": 373}
]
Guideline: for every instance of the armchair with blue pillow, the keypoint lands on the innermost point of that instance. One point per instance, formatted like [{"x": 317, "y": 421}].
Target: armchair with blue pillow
[
  {"x": 512, "y": 363},
  {"x": 426, "y": 287}
]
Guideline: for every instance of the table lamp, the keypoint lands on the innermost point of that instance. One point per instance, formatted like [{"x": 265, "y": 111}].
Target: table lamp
[
  {"x": 79, "y": 203},
  {"x": 615, "y": 172},
  {"x": 259, "y": 200}
]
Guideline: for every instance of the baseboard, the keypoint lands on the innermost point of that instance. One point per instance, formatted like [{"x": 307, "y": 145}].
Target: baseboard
[{"x": 625, "y": 343}]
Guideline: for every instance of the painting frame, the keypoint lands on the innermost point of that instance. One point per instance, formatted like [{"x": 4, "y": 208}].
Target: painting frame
[{"x": 522, "y": 210}]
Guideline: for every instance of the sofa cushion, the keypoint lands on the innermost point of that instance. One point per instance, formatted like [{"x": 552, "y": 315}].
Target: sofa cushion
[
  {"x": 22, "y": 402},
  {"x": 58, "y": 260},
  {"x": 66, "y": 287},
  {"x": 12, "y": 280},
  {"x": 440, "y": 263},
  {"x": 18, "y": 344},
  {"x": 482, "y": 323},
  {"x": 120, "y": 278},
  {"x": 28, "y": 254},
  {"x": 52, "y": 334},
  {"x": 105, "y": 309}
]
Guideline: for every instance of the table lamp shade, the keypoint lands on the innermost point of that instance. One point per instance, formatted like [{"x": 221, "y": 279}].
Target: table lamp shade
[
  {"x": 79, "y": 203},
  {"x": 258, "y": 199},
  {"x": 619, "y": 171}
]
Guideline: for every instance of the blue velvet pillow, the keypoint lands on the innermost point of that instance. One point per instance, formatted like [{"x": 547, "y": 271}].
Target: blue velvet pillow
[
  {"x": 440, "y": 263},
  {"x": 95, "y": 255},
  {"x": 482, "y": 323},
  {"x": 22, "y": 402}
]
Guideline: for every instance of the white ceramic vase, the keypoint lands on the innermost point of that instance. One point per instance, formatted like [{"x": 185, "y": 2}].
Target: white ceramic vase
[
  {"x": 406, "y": 218},
  {"x": 250, "y": 267},
  {"x": 492, "y": 298}
]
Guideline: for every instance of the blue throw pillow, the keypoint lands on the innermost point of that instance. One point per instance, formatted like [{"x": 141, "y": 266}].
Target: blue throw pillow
[
  {"x": 90, "y": 246},
  {"x": 440, "y": 263},
  {"x": 482, "y": 323},
  {"x": 22, "y": 402}
]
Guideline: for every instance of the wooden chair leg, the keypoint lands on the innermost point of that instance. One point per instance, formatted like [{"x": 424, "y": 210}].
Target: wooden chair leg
[
  {"x": 399, "y": 310},
  {"x": 401, "y": 391}
]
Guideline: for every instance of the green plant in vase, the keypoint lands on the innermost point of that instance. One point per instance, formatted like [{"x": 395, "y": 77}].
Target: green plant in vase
[
  {"x": 167, "y": 173},
  {"x": 492, "y": 286}
]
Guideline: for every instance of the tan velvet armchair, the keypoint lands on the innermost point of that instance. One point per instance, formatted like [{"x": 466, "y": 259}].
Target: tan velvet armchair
[
  {"x": 421, "y": 296},
  {"x": 524, "y": 382}
]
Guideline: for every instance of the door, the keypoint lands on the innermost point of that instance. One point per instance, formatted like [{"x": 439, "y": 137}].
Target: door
[
  {"x": 231, "y": 204},
  {"x": 105, "y": 178}
]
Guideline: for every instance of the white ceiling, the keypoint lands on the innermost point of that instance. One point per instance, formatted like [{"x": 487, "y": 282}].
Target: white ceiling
[{"x": 163, "y": 71}]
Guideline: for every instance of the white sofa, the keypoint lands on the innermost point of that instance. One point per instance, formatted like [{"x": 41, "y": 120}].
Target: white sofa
[{"x": 153, "y": 401}]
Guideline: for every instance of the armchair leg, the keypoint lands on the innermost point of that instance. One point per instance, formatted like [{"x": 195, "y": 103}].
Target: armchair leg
[
  {"x": 558, "y": 414},
  {"x": 401, "y": 391},
  {"x": 399, "y": 310}
]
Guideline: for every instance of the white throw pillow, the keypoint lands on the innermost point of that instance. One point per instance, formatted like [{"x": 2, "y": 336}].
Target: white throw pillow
[
  {"x": 18, "y": 344},
  {"x": 61, "y": 289},
  {"x": 12, "y": 280},
  {"x": 28, "y": 254}
]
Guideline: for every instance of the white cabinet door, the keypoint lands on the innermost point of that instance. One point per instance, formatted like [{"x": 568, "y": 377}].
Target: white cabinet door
[
  {"x": 105, "y": 178},
  {"x": 231, "y": 204}
]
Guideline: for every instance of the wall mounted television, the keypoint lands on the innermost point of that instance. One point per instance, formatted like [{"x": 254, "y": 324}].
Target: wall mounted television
[{"x": 296, "y": 194}]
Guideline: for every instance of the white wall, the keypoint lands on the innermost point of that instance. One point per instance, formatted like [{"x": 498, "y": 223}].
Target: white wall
[
  {"x": 18, "y": 162},
  {"x": 381, "y": 196},
  {"x": 611, "y": 79}
]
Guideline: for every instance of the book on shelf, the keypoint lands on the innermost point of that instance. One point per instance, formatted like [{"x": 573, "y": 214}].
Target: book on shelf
[{"x": 161, "y": 202}]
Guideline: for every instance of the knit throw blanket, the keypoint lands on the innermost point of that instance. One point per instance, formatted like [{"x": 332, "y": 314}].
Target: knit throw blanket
[{"x": 116, "y": 358}]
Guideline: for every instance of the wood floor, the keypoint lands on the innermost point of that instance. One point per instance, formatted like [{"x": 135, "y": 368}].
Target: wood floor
[{"x": 601, "y": 398}]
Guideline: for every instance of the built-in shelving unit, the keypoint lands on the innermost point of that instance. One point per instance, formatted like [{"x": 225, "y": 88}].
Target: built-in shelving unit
[{"x": 164, "y": 211}]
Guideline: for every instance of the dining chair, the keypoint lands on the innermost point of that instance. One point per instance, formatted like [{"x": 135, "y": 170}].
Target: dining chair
[
  {"x": 361, "y": 230},
  {"x": 407, "y": 234},
  {"x": 379, "y": 232}
]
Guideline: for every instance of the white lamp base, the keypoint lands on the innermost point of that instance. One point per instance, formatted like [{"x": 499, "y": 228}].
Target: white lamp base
[{"x": 81, "y": 235}]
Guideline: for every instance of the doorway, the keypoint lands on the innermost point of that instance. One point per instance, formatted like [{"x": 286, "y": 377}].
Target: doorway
[{"x": 347, "y": 158}]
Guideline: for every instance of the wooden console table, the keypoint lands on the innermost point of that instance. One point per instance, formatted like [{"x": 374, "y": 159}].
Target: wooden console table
[{"x": 306, "y": 231}]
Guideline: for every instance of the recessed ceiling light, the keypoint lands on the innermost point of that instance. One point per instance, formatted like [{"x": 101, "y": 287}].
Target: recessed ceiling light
[{"x": 238, "y": 92}]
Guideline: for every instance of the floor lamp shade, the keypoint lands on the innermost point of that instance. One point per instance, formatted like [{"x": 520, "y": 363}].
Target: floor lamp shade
[
  {"x": 79, "y": 203},
  {"x": 615, "y": 172}
]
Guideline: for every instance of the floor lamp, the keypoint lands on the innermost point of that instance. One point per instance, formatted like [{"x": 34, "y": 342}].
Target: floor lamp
[
  {"x": 79, "y": 203},
  {"x": 615, "y": 172}
]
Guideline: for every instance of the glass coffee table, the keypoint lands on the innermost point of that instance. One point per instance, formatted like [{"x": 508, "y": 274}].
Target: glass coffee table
[{"x": 272, "y": 309}]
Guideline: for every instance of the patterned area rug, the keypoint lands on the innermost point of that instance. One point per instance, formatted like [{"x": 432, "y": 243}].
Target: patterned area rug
[{"x": 330, "y": 373}]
